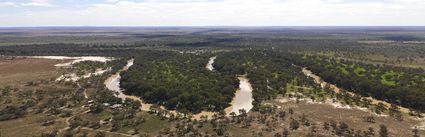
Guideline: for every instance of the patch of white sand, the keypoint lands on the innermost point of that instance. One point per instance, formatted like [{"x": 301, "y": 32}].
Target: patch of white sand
[
  {"x": 331, "y": 102},
  {"x": 74, "y": 59},
  {"x": 73, "y": 76},
  {"x": 113, "y": 84},
  {"x": 210, "y": 66},
  {"x": 243, "y": 97}
]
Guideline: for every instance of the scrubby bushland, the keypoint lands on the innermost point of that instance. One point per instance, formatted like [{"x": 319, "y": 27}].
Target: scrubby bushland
[{"x": 398, "y": 85}]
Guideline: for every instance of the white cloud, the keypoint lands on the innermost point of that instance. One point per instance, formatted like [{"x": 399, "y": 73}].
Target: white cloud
[
  {"x": 8, "y": 4},
  {"x": 230, "y": 12},
  {"x": 112, "y": 1},
  {"x": 38, "y": 3}
]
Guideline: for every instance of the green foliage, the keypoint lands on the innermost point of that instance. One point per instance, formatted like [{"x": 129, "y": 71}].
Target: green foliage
[
  {"x": 153, "y": 124},
  {"x": 397, "y": 85},
  {"x": 294, "y": 124},
  {"x": 269, "y": 71},
  {"x": 11, "y": 112},
  {"x": 179, "y": 81},
  {"x": 383, "y": 131},
  {"x": 359, "y": 71},
  {"x": 390, "y": 78}
]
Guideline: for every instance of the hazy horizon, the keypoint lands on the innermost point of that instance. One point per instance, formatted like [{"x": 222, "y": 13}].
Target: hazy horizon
[
  {"x": 336, "y": 26},
  {"x": 45, "y": 13}
]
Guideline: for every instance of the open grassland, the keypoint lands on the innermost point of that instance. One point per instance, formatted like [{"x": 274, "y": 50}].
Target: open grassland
[
  {"x": 16, "y": 71},
  {"x": 29, "y": 126},
  {"x": 27, "y": 90},
  {"x": 355, "y": 118}
]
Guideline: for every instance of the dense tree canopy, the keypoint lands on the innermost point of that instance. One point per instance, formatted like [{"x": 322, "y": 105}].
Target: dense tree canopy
[
  {"x": 268, "y": 71},
  {"x": 179, "y": 81},
  {"x": 398, "y": 85}
]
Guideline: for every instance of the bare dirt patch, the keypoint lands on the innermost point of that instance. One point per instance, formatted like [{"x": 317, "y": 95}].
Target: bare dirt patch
[{"x": 14, "y": 71}]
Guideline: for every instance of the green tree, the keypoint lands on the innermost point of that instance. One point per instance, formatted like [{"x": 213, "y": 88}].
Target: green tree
[
  {"x": 100, "y": 134},
  {"x": 285, "y": 133},
  {"x": 383, "y": 131},
  {"x": 415, "y": 132},
  {"x": 326, "y": 126},
  {"x": 294, "y": 124}
]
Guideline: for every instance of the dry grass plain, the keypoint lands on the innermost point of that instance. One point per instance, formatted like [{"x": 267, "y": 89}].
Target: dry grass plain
[
  {"x": 319, "y": 113},
  {"x": 28, "y": 126},
  {"x": 16, "y": 71}
]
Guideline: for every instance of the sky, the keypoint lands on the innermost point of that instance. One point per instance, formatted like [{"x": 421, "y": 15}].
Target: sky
[{"x": 24, "y": 13}]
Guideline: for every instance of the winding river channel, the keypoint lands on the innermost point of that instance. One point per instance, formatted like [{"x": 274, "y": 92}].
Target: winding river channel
[
  {"x": 242, "y": 100},
  {"x": 210, "y": 66},
  {"x": 336, "y": 89},
  {"x": 113, "y": 84},
  {"x": 243, "y": 96}
]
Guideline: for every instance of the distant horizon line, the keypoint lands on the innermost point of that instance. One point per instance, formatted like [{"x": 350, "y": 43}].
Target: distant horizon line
[{"x": 205, "y": 26}]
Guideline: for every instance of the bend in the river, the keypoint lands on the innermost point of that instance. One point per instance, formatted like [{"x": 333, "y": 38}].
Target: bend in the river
[
  {"x": 336, "y": 89},
  {"x": 243, "y": 96},
  {"x": 113, "y": 84},
  {"x": 242, "y": 100}
]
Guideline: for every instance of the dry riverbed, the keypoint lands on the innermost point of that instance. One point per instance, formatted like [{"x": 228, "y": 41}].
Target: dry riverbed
[
  {"x": 318, "y": 80},
  {"x": 242, "y": 100}
]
